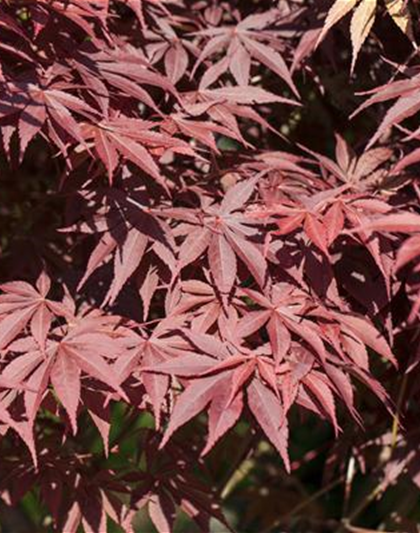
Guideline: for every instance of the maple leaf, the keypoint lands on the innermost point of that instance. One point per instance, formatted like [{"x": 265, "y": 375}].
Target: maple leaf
[
  {"x": 407, "y": 104},
  {"x": 152, "y": 349},
  {"x": 37, "y": 102},
  {"x": 324, "y": 213},
  {"x": 79, "y": 12},
  {"x": 135, "y": 141},
  {"x": 139, "y": 6},
  {"x": 407, "y": 223},
  {"x": 167, "y": 482},
  {"x": 77, "y": 495},
  {"x": 363, "y": 19},
  {"x": 167, "y": 45},
  {"x": 267, "y": 409},
  {"x": 289, "y": 314},
  {"x": 362, "y": 173},
  {"x": 225, "y": 106},
  {"x": 217, "y": 378},
  {"x": 243, "y": 42},
  {"x": 223, "y": 232},
  {"x": 126, "y": 68},
  {"x": 203, "y": 304},
  {"x": 126, "y": 238},
  {"x": 203, "y": 131},
  {"x": 22, "y": 304},
  {"x": 116, "y": 75},
  {"x": 81, "y": 349},
  {"x": 284, "y": 314}
]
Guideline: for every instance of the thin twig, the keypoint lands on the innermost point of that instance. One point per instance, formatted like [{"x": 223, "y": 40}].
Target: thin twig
[
  {"x": 302, "y": 505},
  {"x": 229, "y": 480}
]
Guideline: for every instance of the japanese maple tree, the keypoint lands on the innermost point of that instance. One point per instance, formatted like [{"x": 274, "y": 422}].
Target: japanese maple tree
[{"x": 210, "y": 240}]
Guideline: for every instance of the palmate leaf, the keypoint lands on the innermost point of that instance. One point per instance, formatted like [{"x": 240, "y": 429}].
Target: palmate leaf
[
  {"x": 363, "y": 18},
  {"x": 409, "y": 251},
  {"x": 173, "y": 487},
  {"x": 406, "y": 105},
  {"x": 135, "y": 141},
  {"x": 202, "y": 302},
  {"x": 361, "y": 24},
  {"x": 126, "y": 239},
  {"x": 79, "y": 348},
  {"x": 93, "y": 501},
  {"x": 21, "y": 304},
  {"x": 166, "y": 44},
  {"x": 63, "y": 364},
  {"x": 140, "y": 6},
  {"x": 219, "y": 384},
  {"x": 286, "y": 307},
  {"x": 127, "y": 69},
  {"x": 343, "y": 201},
  {"x": 269, "y": 414},
  {"x": 244, "y": 43},
  {"x": 400, "y": 13},
  {"x": 36, "y": 103},
  {"x": 225, "y": 236},
  {"x": 78, "y": 12}
]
